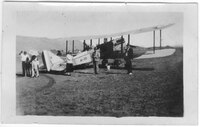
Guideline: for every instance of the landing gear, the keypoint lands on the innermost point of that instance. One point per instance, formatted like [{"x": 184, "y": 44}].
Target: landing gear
[
  {"x": 104, "y": 63},
  {"x": 116, "y": 63}
]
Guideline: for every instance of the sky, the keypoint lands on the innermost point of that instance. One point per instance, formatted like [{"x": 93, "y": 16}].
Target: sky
[{"x": 70, "y": 21}]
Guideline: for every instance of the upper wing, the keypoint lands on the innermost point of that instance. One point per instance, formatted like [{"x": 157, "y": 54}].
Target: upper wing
[{"x": 137, "y": 31}]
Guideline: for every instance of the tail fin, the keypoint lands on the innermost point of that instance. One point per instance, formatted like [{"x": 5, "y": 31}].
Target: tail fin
[{"x": 52, "y": 62}]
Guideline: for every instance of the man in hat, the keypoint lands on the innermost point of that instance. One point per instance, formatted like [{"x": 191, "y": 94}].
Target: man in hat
[
  {"x": 96, "y": 59},
  {"x": 128, "y": 59}
]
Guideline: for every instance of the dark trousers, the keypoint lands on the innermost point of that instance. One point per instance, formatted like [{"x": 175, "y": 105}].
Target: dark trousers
[
  {"x": 96, "y": 67},
  {"x": 28, "y": 69},
  {"x": 69, "y": 67},
  {"x": 23, "y": 68},
  {"x": 129, "y": 66}
]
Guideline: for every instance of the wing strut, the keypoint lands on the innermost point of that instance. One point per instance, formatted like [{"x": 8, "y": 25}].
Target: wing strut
[
  {"x": 73, "y": 46},
  {"x": 84, "y": 45},
  {"x": 90, "y": 42},
  {"x": 98, "y": 41},
  {"x": 122, "y": 45},
  {"x": 128, "y": 39},
  {"x": 154, "y": 41},
  {"x": 160, "y": 38},
  {"x": 66, "y": 46}
]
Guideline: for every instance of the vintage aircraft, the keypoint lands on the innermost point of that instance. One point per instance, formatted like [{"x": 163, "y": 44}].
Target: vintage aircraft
[{"x": 113, "y": 49}]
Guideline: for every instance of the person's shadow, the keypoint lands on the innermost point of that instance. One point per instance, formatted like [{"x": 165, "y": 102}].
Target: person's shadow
[
  {"x": 19, "y": 75},
  {"x": 144, "y": 69}
]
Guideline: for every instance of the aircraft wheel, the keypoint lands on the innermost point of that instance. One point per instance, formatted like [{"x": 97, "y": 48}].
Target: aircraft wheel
[
  {"x": 104, "y": 62},
  {"x": 117, "y": 63}
]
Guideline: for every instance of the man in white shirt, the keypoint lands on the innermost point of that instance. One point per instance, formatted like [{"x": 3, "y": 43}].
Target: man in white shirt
[{"x": 24, "y": 57}]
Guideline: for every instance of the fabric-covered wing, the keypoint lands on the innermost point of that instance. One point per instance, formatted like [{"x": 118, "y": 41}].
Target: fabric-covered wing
[
  {"x": 82, "y": 58},
  {"x": 137, "y": 31}
]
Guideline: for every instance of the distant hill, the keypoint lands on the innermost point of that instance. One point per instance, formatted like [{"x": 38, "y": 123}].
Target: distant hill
[{"x": 40, "y": 43}]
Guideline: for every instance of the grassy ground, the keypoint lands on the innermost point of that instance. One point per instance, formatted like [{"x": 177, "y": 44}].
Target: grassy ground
[{"x": 154, "y": 89}]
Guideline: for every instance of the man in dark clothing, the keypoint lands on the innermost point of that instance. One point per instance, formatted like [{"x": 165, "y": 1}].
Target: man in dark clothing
[
  {"x": 96, "y": 59},
  {"x": 128, "y": 58}
]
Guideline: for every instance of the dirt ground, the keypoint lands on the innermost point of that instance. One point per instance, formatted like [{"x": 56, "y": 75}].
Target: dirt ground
[{"x": 154, "y": 89}]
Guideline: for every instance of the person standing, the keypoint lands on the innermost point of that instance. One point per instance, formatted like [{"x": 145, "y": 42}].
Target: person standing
[
  {"x": 24, "y": 57},
  {"x": 59, "y": 53},
  {"x": 69, "y": 65},
  {"x": 35, "y": 66},
  {"x": 96, "y": 59},
  {"x": 128, "y": 59},
  {"x": 28, "y": 66}
]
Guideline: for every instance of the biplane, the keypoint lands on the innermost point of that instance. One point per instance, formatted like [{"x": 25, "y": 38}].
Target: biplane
[{"x": 112, "y": 49}]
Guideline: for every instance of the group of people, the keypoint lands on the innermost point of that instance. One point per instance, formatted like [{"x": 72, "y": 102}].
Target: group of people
[
  {"x": 30, "y": 65},
  {"x": 127, "y": 57}
]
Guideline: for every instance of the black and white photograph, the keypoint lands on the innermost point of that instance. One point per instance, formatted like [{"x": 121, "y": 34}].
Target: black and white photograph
[{"x": 100, "y": 60}]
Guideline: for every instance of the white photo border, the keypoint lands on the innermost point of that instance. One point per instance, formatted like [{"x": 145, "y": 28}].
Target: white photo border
[{"x": 190, "y": 46}]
